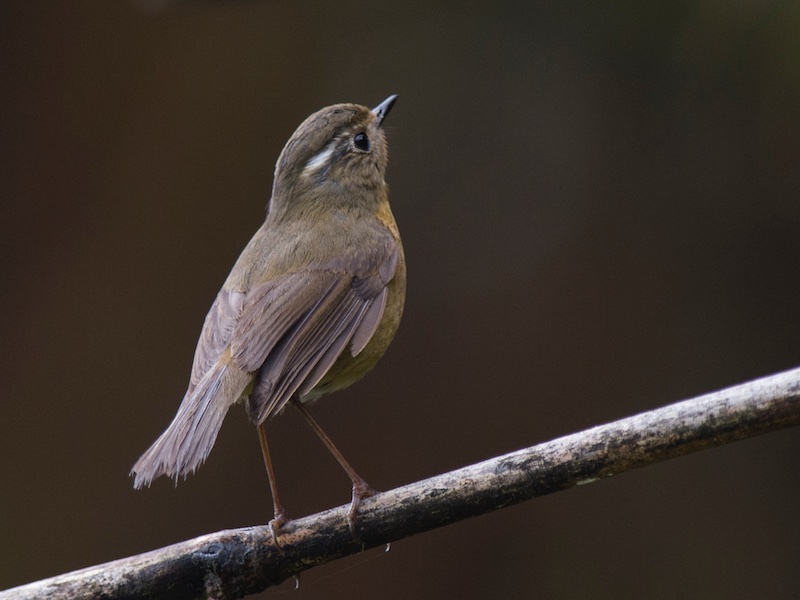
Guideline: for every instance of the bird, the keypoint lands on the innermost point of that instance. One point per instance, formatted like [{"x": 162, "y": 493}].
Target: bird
[{"x": 311, "y": 304}]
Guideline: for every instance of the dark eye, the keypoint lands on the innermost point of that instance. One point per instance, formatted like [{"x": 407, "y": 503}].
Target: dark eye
[{"x": 361, "y": 141}]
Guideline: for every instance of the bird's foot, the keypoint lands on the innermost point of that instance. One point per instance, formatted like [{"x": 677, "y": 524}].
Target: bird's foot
[
  {"x": 361, "y": 490},
  {"x": 275, "y": 524}
]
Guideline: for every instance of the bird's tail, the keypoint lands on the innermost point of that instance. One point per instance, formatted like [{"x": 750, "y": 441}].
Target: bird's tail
[{"x": 188, "y": 440}]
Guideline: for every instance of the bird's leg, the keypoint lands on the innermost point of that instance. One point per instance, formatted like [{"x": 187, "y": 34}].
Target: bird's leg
[
  {"x": 361, "y": 489},
  {"x": 280, "y": 513}
]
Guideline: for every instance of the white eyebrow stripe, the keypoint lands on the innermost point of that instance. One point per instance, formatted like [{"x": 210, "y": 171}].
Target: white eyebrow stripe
[{"x": 319, "y": 160}]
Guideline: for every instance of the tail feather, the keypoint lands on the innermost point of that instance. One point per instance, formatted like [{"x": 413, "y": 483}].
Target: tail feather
[{"x": 188, "y": 440}]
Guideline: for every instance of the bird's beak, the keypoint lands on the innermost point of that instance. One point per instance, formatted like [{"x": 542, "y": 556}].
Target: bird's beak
[{"x": 384, "y": 107}]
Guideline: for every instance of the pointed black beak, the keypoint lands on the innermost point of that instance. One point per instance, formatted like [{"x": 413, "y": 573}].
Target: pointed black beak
[{"x": 384, "y": 107}]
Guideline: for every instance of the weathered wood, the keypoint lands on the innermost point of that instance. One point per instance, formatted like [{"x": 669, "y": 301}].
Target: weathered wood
[{"x": 234, "y": 563}]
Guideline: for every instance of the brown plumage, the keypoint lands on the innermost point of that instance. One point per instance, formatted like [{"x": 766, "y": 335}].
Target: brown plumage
[{"x": 313, "y": 301}]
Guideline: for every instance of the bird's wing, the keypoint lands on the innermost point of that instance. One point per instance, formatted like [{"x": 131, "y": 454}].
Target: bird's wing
[
  {"x": 216, "y": 333},
  {"x": 293, "y": 328}
]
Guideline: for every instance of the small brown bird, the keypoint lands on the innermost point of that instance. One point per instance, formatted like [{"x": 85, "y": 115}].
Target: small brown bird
[{"x": 311, "y": 304}]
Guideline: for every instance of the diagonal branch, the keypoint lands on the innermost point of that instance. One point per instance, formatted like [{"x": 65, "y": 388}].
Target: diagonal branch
[{"x": 234, "y": 563}]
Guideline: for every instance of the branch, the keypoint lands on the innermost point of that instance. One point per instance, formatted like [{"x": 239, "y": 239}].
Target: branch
[{"x": 237, "y": 562}]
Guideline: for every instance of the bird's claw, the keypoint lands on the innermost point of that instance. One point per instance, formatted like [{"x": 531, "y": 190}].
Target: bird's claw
[
  {"x": 274, "y": 525},
  {"x": 361, "y": 490}
]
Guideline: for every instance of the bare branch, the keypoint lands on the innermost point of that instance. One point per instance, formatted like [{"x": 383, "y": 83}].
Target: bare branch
[{"x": 234, "y": 563}]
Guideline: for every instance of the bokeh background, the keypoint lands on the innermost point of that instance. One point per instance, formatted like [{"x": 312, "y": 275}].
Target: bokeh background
[{"x": 600, "y": 206}]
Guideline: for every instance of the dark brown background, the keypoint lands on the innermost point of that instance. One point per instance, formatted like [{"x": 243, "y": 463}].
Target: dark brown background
[{"x": 599, "y": 203}]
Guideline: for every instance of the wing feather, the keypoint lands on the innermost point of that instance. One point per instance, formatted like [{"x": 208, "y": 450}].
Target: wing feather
[
  {"x": 308, "y": 349},
  {"x": 216, "y": 333},
  {"x": 332, "y": 308},
  {"x": 369, "y": 323}
]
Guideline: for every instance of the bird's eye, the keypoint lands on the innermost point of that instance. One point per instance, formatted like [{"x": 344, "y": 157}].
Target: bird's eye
[{"x": 361, "y": 141}]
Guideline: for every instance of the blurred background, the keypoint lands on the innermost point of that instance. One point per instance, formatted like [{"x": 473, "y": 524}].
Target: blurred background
[{"x": 600, "y": 207}]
